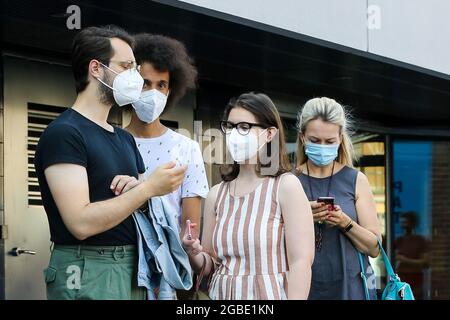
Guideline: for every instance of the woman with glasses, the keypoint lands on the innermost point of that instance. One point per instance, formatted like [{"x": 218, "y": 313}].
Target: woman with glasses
[
  {"x": 349, "y": 223},
  {"x": 258, "y": 240}
]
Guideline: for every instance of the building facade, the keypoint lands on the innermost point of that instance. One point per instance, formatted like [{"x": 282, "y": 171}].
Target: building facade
[{"x": 386, "y": 60}]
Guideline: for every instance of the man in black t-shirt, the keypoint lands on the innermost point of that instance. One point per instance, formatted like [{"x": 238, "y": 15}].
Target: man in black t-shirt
[{"x": 91, "y": 176}]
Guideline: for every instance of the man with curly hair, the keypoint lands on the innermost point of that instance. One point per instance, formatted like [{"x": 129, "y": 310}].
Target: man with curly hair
[{"x": 168, "y": 73}]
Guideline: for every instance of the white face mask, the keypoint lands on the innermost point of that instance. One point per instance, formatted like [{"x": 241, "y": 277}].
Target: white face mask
[
  {"x": 242, "y": 147},
  {"x": 150, "y": 105},
  {"x": 127, "y": 86}
]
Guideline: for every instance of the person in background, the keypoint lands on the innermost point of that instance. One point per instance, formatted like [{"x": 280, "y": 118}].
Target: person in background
[
  {"x": 411, "y": 254},
  {"x": 325, "y": 168},
  {"x": 258, "y": 240}
]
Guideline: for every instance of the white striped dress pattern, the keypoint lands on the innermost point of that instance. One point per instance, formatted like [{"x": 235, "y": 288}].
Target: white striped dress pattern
[{"x": 249, "y": 245}]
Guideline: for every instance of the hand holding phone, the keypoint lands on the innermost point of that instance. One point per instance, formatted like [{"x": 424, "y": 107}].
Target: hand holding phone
[{"x": 327, "y": 200}]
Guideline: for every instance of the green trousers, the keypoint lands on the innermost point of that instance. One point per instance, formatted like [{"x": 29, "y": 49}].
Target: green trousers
[{"x": 94, "y": 273}]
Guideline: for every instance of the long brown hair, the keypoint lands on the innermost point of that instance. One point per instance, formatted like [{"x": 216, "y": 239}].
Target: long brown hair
[{"x": 266, "y": 114}]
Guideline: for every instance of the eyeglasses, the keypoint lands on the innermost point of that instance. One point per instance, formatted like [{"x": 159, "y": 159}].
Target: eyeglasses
[
  {"x": 243, "y": 128},
  {"x": 128, "y": 64}
]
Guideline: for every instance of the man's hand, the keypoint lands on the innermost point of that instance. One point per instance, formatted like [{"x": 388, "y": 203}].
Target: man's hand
[
  {"x": 165, "y": 179},
  {"x": 122, "y": 184}
]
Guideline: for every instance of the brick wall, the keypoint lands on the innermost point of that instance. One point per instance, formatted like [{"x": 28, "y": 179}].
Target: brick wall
[{"x": 440, "y": 245}]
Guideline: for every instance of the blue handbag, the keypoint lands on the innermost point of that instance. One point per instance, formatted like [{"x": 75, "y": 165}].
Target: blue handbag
[{"x": 395, "y": 288}]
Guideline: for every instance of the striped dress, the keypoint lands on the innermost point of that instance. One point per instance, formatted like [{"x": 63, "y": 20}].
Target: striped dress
[{"x": 249, "y": 245}]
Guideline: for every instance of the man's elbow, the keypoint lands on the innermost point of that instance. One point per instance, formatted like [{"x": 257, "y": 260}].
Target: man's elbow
[
  {"x": 80, "y": 235},
  {"x": 80, "y": 232},
  {"x": 78, "y": 226}
]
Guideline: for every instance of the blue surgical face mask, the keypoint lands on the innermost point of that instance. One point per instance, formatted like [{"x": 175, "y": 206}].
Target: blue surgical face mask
[{"x": 321, "y": 154}]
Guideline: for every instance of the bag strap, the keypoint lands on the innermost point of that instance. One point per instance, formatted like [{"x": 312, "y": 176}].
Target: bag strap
[
  {"x": 363, "y": 275},
  {"x": 200, "y": 275},
  {"x": 389, "y": 270}
]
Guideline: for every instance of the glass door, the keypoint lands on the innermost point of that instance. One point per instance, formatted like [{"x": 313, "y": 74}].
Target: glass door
[
  {"x": 421, "y": 215},
  {"x": 370, "y": 150}
]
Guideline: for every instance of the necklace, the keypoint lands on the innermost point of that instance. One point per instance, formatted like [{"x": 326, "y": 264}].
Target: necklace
[{"x": 319, "y": 231}]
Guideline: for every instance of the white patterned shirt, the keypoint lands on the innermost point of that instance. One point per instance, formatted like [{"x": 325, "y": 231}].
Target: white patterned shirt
[{"x": 172, "y": 146}]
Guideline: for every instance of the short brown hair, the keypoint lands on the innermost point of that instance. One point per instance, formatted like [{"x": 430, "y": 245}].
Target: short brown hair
[{"x": 94, "y": 43}]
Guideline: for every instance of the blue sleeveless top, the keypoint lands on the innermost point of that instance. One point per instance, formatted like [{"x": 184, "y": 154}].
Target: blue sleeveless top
[{"x": 336, "y": 272}]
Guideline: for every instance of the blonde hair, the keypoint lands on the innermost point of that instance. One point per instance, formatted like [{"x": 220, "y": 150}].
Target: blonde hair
[{"x": 328, "y": 110}]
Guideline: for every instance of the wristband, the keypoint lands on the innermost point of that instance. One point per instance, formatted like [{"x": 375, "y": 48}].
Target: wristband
[{"x": 348, "y": 227}]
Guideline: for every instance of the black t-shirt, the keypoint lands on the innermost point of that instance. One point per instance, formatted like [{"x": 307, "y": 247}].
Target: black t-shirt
[{"x": 72, "y": 138}]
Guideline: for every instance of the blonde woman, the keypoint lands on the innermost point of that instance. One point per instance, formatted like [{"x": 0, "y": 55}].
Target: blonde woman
[{"x": 349, "y": 224}]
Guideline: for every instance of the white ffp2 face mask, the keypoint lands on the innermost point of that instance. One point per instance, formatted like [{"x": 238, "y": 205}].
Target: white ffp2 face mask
[
  {"x": 242, "y": 147},
  {"x": 150, "y": 105},
  {"x": 127, "y": 86}
]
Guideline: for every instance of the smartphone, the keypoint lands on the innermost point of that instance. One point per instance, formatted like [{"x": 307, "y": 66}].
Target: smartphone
[
  {"x": 188, "y": 222},
  {"x": 326, "y": 200}
]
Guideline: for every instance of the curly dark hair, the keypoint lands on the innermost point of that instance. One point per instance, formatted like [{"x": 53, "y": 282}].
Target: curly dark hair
[{"x": 167, "y": 54}]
